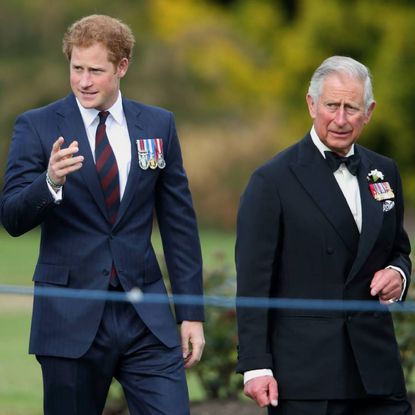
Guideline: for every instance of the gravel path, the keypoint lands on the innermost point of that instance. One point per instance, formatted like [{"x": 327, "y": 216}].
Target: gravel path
[{"x": 226, "y": 408}]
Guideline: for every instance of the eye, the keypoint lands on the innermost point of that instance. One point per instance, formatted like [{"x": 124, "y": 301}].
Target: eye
[
  {"x": 351, "y": 110},
  {"x": 332, "y": 106}
]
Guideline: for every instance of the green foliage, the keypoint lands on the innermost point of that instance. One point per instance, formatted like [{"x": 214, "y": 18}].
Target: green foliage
[
  {"x": 404, "y": 328},
  {"x": 235, "y": 74},
  {"x": 216, "y": 371}
]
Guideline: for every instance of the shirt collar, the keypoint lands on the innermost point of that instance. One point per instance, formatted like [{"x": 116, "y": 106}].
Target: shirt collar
[
  {"x": 89, "y": 115},
  {"x": 321, "y": 146}
]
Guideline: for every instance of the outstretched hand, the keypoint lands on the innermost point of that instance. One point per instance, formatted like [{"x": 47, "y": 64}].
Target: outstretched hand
[{"x": 63, "y": 161}]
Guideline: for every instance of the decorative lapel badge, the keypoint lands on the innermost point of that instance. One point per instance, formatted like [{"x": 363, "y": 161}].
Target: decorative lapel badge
[
  {"x": 388, "y": 205},
  {"x": 150, "y": 153},
  {"x": 380, "y": 190}
]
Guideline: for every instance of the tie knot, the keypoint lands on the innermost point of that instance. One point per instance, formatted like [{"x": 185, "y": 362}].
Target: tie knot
[
  {"x": 334, "y": 160},
  {"x": 103, "y": 115}
]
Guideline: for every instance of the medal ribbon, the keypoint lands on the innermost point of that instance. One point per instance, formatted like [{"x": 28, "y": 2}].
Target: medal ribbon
[
  {"x": 159, "y": 148},
  {"x": 151, "y": 148}
]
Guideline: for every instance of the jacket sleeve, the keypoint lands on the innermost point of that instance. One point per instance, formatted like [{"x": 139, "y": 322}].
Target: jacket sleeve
[
  {"x": 178, "y": 229},
  {"x": 258, "y": 232},
  {"x": 26, "y": 198}
]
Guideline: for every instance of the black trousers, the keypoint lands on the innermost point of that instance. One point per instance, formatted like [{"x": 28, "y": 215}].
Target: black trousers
[
  {"x": 394, "y": 405},
  {"x": 151, "y": 375}
]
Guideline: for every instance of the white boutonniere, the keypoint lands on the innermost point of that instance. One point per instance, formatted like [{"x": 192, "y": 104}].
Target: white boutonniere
[{"x": 375, "y": 175}]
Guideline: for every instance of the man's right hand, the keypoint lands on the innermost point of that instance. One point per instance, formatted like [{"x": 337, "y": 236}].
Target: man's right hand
[
  {"x": 62, "y": 161},
  {"x": 263, "y": 390}
]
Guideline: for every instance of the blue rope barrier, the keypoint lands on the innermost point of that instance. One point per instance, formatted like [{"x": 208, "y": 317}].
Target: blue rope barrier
[{"x": 137, "y": 296}]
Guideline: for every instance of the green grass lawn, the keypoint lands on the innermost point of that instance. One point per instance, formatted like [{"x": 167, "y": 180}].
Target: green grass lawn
[
  {"x": 20, "y": 379},
  {"x": 18, "y": 255},
  {"x": 20, "y": 375}
]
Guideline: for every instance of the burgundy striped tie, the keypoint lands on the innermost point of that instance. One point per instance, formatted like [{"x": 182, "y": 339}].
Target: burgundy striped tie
[{"x": 107, "y": 168}]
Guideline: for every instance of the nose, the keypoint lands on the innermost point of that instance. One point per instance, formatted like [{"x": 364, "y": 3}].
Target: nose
[
  {"x": 341, "y": 117},
  {"x": 85, "y": 80}
]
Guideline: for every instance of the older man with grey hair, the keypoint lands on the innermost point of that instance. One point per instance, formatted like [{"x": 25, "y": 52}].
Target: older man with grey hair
[{"x": 324, "y": 220}]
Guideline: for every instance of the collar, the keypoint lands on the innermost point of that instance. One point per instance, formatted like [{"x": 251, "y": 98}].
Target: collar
[
  {"x": 89, "y": 115},
  {"x": 321, "y": 146}
]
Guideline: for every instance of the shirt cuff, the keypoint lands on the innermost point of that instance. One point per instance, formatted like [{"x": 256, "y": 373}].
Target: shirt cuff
[
  {"x": 57, "y": 196},
  {"x": 251, "y": 374},
  {"x": 403, "y": 279}
]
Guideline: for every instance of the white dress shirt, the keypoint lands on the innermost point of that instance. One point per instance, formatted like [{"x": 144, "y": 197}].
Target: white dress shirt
[
  {"x": 118, "y": 136},
  {"x": 347, "y": 182}
]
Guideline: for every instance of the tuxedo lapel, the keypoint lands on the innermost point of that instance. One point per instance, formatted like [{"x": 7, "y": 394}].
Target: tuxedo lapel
[
  {"x": 135, "y": 131},
  {"x": 372, "y": 216},
  {"x": 72, "y": 128},
  {"x": 319, "y": 182}
]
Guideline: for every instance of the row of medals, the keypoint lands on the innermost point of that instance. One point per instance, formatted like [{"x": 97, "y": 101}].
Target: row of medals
[{"x": 145, "y": 163}]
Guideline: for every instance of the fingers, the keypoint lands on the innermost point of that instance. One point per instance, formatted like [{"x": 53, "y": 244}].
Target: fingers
[
  {"x": 263, "y": 390},
  {"x": 387, "y": 284},
  {"x": 63, "y": 161},
  {"x": 185, "y": 349},
  {"x": 194, "y": 356},
  {"x": 273, "y": 394},
  {"x": 193, "y": 342},
  {"x": 378, "y": 283},
  {"x": 57, "y": 145}
]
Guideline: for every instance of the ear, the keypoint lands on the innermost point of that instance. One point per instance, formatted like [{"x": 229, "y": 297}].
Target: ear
[
  {"x": 369, "y": 112},
  {"x": 122, "y": 67},
  {"x": 311, "y": 106}
]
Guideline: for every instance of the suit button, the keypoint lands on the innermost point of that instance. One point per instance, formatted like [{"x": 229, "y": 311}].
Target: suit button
[
  {"x": 349, "y": 319},
  {"x": 105, "y": 272},
  {"x": 330, "y": 250}
]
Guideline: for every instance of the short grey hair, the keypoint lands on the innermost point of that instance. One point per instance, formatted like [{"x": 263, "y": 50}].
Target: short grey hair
[{"x": 345, "y": 65}]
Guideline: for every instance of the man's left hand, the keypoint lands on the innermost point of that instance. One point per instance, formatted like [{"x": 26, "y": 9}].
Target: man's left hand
[
  {"x": 387, "y": 284},
  {"x": 193, "y": 342}
]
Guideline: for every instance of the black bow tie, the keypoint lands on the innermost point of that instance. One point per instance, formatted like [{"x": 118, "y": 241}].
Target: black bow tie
[{"x": 352, "y": 162}]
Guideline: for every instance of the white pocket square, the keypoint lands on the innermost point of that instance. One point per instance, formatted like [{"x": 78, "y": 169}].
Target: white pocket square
[{"x": 388, "y": 205}]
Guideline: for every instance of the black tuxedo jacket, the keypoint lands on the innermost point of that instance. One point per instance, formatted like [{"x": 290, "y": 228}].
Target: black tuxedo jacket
[{"x": 296, "y": 238}]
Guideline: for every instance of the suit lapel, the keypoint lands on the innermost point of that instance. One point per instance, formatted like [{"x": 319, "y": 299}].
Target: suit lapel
[
  {"x": 372, "y": 216},
  {"x": 318, "y": 181},
  {"x": 135, "y": 131},
  {"x": 72, "y": 128},
  {"x": 315, "y": 176}
]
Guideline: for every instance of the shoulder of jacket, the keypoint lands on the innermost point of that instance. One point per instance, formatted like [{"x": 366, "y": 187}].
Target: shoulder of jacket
[{"x": 146, "y": 109}]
